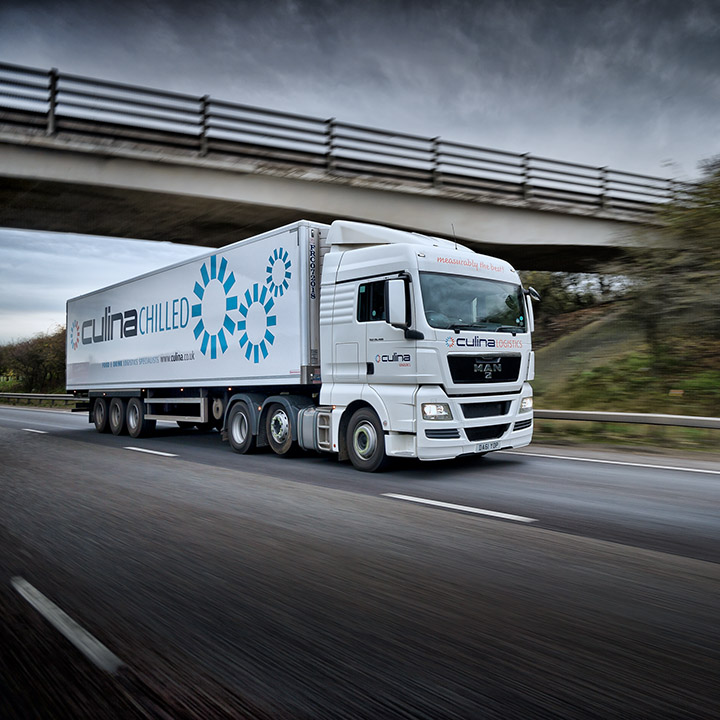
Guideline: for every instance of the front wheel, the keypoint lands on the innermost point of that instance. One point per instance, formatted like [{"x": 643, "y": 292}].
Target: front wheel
[
  {"x": 366, "y": 441},
  {"x": 279, "y": 430}
]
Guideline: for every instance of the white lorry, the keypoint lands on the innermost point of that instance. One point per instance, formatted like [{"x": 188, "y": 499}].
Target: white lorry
[{"x": 353, "y": 339}]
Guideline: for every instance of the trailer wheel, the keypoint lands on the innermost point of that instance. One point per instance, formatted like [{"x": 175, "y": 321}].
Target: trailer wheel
[
  {"x": 366, "y": 441},
  {"x": 116, "y": 416},
  {"x": 217, "y": 411},
  {"x": 239, "y": 426},
  {"x": 137, "y": 424},
  {"x": 279, "y": 430},
  {"x": 100, "y": 415}
]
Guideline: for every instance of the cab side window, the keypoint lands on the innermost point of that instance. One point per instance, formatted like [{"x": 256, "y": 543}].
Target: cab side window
[{"x": 371, "y": 301}]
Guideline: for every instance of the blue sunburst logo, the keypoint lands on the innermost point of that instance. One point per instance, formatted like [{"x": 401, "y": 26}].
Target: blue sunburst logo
[
  {"x": 255, "y": 340},
  {"x": 75, "y": 335},
  {"x": 278, "y": 270},
  {"x": 212, "y": 310}
]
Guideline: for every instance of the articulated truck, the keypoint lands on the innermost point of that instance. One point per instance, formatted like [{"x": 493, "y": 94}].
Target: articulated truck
[{"x": 362, "y": 341}]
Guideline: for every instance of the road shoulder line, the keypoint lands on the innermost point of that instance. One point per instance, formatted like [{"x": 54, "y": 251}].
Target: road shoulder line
[{"x": 613, "y": 462}]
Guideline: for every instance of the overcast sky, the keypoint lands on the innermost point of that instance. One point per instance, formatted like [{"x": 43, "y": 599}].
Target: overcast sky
[
  {"x": 631, "y": 84},
  {"x": 40, "y": 271}
]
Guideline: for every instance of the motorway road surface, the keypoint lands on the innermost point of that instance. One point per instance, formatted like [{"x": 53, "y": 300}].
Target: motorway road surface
[{"x": 260, "y": 587}]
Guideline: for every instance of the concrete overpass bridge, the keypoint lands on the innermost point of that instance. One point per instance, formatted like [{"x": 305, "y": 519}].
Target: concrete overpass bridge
[{"x": 90, "y": 156}]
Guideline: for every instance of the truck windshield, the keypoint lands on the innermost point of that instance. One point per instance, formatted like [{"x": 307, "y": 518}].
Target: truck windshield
[{"x": 456, "y": 302}]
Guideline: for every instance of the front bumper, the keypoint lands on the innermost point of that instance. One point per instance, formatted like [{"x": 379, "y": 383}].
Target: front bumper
[{"x": 480, "y": 424}]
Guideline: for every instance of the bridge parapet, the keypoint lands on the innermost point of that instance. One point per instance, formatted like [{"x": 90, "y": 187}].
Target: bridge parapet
[{"x": 123, "y": 119}]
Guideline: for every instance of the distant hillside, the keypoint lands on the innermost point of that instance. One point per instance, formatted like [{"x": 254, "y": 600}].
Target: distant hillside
[
  {"x": 605, "y": 365},
  {"x": 584, "y": 340},
  {"x": 548, "y": 330}
]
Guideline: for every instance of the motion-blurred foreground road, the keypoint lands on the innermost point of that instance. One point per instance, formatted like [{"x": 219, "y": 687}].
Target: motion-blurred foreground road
[{"x": 254, "y": 586}]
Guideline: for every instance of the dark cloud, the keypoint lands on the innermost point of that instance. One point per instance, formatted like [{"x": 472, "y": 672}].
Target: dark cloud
[
  {"x": 627, "y": 83},
  {"x": 633, "y": 84}
]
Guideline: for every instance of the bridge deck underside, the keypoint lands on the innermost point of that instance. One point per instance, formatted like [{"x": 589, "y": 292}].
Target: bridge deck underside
[{"x": 106, "y": 211}]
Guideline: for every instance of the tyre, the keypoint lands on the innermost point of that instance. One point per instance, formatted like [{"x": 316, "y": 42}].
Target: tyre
[
  {"x": 217, "y": 412},
  {"x": 137, "y": 424},
  {"x": 239, "y": 429},
  {"x": 279, "y": 430},
  {"x": 100, "y": 415},
  {"x": 116, "y": 416},
  {"x": 366, "y": 441}
]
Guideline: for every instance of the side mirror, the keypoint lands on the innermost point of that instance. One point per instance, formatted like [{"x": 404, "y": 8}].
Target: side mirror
[
  {"x": 533, "y": 294},
  {"x": 395, "y": 304}
]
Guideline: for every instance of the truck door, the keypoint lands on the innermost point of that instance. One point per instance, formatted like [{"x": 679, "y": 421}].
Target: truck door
[{"x": 390, "y": 358}]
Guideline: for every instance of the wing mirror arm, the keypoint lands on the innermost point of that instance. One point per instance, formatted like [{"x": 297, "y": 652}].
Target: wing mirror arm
[
  {"x": 397, "y": 309},
  {"x": 533, "y": 294}
]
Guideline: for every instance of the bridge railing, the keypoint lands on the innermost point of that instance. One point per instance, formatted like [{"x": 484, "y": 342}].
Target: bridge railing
[{"x": 61, "y": 103}]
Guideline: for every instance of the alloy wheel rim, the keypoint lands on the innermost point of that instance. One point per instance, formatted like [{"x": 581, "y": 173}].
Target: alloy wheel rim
[
  {"x": 279, "y": 426},
  {"x": 365, "y": 440}
]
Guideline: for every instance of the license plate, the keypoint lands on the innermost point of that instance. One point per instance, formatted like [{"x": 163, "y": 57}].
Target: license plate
[{"x": 484, "y": 447}]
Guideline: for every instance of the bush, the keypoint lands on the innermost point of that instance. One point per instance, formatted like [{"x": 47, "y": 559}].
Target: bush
[{"x": 35, "y": 365}]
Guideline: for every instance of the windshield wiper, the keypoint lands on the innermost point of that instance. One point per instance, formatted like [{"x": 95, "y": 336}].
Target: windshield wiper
[{"x": 457, "y": 327}]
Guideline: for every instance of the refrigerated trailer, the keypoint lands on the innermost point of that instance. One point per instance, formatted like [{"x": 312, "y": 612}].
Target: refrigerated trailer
[{"x": 356, "y": 340}]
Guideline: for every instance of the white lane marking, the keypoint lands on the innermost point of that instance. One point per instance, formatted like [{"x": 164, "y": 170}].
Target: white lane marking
[
  {"x": 463, "y": 508},
  {"x": 39, "y": 432},
  {"x": 615, "y": 462},
  {"x": 89, "y": 646},
  {"x": 150, "y": 452}
]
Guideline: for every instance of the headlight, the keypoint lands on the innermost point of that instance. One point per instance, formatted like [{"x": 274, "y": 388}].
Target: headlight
[
  {"x": 436, "y": 411},
  {"x": 526, "y": 404}
]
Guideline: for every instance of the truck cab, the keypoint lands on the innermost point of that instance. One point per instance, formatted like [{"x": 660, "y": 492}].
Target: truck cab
[{"x": 431, "y": 338}]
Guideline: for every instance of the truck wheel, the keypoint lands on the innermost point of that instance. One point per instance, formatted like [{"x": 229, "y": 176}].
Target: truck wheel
[
  {"x": 137, "y": 424},
  {"x": 218, "y": 413},
  {"x": 116, "y": 416},
  {"x": 279, "y": 430},
  {"x": 100, "y": 415},
  {"x": 240, "y": 434},
  {"x": 366, "y": 441}
]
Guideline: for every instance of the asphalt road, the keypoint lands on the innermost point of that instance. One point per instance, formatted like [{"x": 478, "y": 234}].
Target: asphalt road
[{"x": 255, "y": 586}]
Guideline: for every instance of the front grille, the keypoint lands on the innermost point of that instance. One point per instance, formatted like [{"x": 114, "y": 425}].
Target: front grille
[
  {"x": 523, "y": 424},
  {"x": 485, "y": 409},
  {"x": 484, "y": 368},
  {"x": 487, "y": 432},
  {"x": 443, "y": 434}
]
